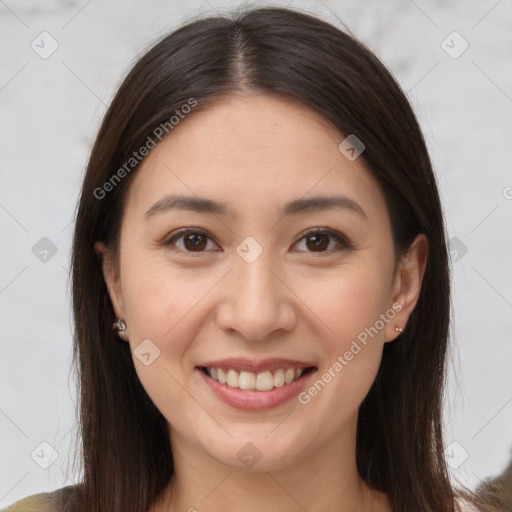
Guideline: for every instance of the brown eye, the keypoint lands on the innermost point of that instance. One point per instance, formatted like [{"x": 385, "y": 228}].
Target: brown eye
[
  {"x": 193, "y": 241},
  {"x": 318, "y": 241}
]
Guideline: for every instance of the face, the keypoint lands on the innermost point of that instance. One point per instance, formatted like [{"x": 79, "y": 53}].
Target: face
[{"x": 236, "y": 272}]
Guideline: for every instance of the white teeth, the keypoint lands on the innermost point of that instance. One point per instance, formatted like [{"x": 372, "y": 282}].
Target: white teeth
[
  {"x": 232, "y": 379},
  {"x": 250, "y": 381},
  {"x": 289, "y": 375},
  {"x": 221, "y": 376},
  {"x": 247, "y": 381},
  {"x": 264, "y": 381},
  {"x": 278, "y": 378}
]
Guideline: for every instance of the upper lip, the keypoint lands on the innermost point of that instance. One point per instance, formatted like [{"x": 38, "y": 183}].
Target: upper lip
[{"x": 242, "y": 364}]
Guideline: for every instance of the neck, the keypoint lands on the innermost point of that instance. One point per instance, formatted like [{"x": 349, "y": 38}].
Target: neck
[{"x": 321, "y": 480}]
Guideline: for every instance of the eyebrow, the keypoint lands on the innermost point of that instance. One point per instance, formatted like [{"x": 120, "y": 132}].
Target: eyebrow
[{"x": 295, "y": 207}]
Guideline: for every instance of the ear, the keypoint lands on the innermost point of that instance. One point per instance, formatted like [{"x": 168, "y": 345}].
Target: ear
[
  {"x": 407, "y": 284},
  {"x": 112, "y": 280}
]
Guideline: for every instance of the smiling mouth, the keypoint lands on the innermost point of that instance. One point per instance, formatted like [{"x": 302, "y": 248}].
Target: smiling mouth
[{"x": 250, "y": 381}]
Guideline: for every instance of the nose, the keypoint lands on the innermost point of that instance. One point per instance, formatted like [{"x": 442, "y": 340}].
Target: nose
[{"x": 257, "y": 303}]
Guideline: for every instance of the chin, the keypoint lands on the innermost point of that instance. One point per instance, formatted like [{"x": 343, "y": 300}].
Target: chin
[{"x": 256, "y": 454}]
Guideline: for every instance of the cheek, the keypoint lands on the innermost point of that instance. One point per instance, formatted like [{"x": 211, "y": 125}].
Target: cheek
[
  {"x": 350, "y": 300},
  {"x": 159, "y": 307},
  {"x": 159, "y": 298},
  {"x": 354, "y": 310}
]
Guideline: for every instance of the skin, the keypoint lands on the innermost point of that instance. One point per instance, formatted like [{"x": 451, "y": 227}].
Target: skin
[{"x": 257, "y": 152}]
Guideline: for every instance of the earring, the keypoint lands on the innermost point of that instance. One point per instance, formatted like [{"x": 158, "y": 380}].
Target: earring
[
  {"x": 119, "y": 325},
  {"x": 399, "y": 329}
]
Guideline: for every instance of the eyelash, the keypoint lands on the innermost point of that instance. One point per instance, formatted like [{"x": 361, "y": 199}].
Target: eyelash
[{"x": 343, "y": 242}]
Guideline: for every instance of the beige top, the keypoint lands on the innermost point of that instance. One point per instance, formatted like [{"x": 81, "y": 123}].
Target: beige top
[
  {"x": 42, "y": 502},
  {"x": 47, "y": 502}
]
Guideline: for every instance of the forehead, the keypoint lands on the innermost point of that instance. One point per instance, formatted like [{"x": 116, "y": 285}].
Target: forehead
[{"x": 255, "y": 151}]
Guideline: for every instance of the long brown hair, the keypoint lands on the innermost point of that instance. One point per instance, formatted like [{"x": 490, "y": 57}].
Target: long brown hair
[{"x": 125, "y": 450}]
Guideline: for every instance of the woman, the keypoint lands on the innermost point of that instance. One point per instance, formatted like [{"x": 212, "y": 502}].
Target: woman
[{"x": 260, "y": 282}]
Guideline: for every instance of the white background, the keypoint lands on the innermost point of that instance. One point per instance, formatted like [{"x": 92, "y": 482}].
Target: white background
[{"x": 51, "y": 110}]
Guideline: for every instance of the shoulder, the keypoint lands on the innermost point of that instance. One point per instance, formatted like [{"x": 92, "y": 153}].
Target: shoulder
[{"x": 42, "y": 502}]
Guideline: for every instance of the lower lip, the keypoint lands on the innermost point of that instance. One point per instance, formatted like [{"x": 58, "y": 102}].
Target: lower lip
[{"x": 256, "y": 400}]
